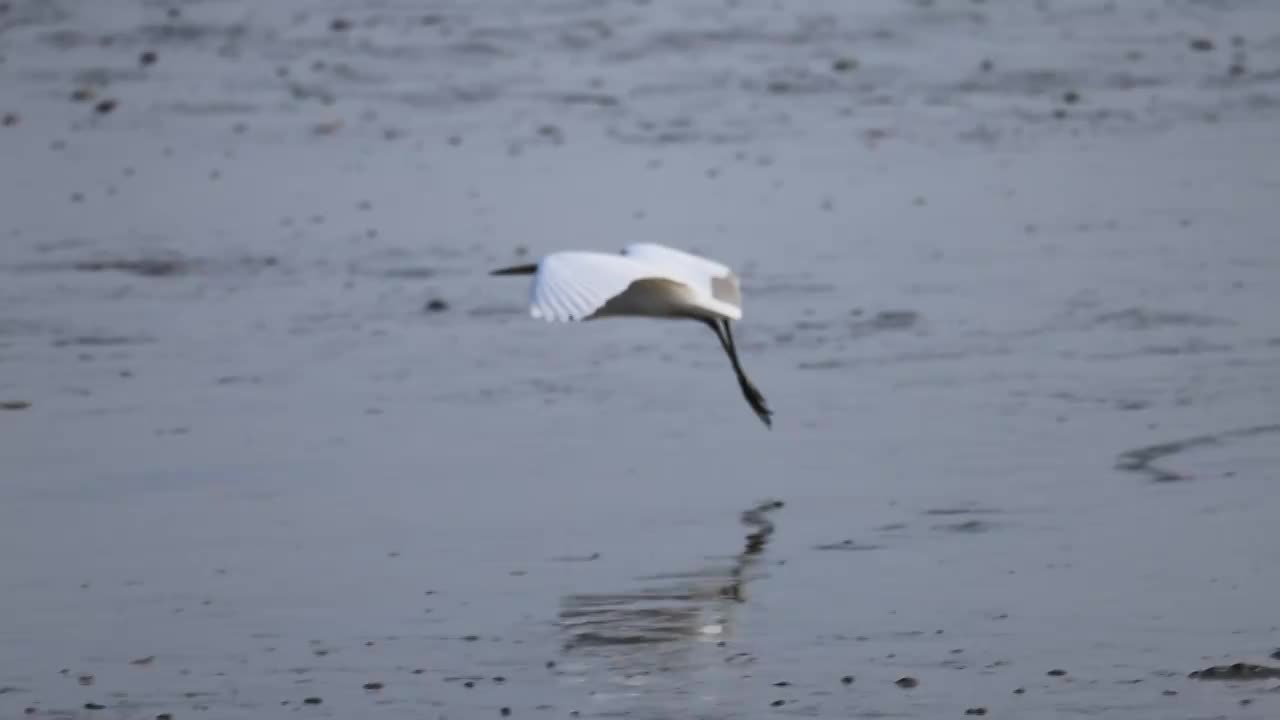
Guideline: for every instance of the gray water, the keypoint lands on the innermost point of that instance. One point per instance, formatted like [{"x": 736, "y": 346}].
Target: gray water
[{"x": 1010, "y": 276}]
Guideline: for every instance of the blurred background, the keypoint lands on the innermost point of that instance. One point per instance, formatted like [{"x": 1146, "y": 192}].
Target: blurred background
[{"x": 272, "y": 442}]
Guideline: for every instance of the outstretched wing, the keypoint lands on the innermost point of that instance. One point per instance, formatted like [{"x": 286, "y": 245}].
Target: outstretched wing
[
  {"x": 714, "y": 279},
  {"x": 572, "y": 285}
]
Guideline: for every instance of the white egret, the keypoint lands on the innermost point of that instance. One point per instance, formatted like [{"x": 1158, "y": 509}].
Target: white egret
[{"x": 646, "y": 280}]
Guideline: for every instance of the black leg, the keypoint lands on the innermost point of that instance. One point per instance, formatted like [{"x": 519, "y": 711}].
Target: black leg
[{"x": 753, "y": 396}]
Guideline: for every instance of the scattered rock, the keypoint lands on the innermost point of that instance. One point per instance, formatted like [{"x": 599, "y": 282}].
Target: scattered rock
[
  {"x": 1236, "y": 671},
  {"x": 976, "y": 711},
  {"x": 340, "y": 25},
  {"x": 85, "y": 679},
  {"x": 1019, "y": 691},
  {"x": 94, "y": 706},
  {"x": 844, "y": 64},
  {"x": 505, "y": 712},
  {"x": 906, "y": 682},
  {"x": 373, "y": 686},
  {"x": 436, "y": 305},
  {"x": 312, "y": 701},
  {"x": 9, "y": 119},
  {"x": 148, "y": 58},
  {"x": 1056, "y": 672},
  {"x": 164, "y": 716},
  {"x": 1201, "y": 44},
  {"x": 143, "y": 660},
  {"x": 84, "y": 94},
  {"x": 782, "y": 683},
  {"x": 1071, "y": 97},
  {"x": 847, "y": 680},
  {"x": 14, "y": 404},
  {"x": 777, "y": 703},
  {"x": 105, "y": 106}
]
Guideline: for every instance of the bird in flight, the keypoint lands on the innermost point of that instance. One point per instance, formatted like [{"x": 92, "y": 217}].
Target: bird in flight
[{"x": 645, "y": 280}]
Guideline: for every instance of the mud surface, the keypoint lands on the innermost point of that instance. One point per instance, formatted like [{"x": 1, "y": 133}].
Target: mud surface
[{"x": 274, "y": 444}]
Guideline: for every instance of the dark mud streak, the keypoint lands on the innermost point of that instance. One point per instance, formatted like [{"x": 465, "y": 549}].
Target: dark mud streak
[{"x": 1142, "y": 460}]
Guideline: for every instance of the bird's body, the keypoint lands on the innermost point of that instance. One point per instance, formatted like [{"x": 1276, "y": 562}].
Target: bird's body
[{"x": 646, "y": 280}]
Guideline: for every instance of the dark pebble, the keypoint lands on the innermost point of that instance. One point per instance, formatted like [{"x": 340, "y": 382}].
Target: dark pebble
[
  {"x": 1169, "y": 693},
  {"x": 1276, "y": 655},
  {"x": 148, "y": 58},
  {"x": 844, "y": 65},
  {"x": 847, "y": 680},
  {"x": 505, "y": 712},
  {"x": 976, "y": 711},
  {"x": 438, "y": 305},
  {"x": 1071, "y": 97},
  {"x": 14, "y": 405},
  {"x": 1019, "y": 691},
  {"x": 1236, "y": 70},
  {"x": 419, "y": 671},
  {"x": 1201, "y": 44},
  {"x": 340, "y": 25},
  {"x": 105, "y": 107},
  {"x": 468, "y": 684},
  {"x": 84, "y": 94},
  {"x": 94, "y": 706},
  {"x": 164, "y": 716},
  {"x": 777, "y": 703},
  {"x": 906, "y": 682},
  {"x": 781, "y": 683},
  {"x": 373, "y": 686},
  {"x": 499, "y": 679},
  {"x": 9, "y": 120},
  {"x": 29, "y": 711},
  {"x": 312, "y": 701},
  {"x": 1056, "y": 672}
]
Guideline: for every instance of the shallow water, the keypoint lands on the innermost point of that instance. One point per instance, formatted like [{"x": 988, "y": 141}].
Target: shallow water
[{"x": 270, "y": 432}]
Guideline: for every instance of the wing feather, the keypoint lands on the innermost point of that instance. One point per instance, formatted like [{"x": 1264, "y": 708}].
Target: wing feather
[
  {"x": 570, "y": 286},
  {"x": 715, "y": 281}
]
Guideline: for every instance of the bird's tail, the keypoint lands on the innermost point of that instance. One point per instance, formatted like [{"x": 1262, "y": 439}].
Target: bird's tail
[{"x": 517, "y": 270}]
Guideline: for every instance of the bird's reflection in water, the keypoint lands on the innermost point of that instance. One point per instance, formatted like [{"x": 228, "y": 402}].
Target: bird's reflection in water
[{"x": 670, "y": 624}]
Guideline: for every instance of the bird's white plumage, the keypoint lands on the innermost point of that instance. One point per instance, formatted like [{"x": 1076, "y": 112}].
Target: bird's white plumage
[{"x": 572, "y": 285}]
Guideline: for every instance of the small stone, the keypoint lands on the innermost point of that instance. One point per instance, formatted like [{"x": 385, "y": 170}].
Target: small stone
[
  {"x": 1201, "y": 44},
  {"x": 1071, "y": 97},
  {"x": 105, "y": 106},
  {"x": 9, "y": 119},
  {"x": 94, "y": 706},
  {"x": 469, "y": 684},
  {"x": 847, "y": 680},
  {"x": 844, "y": 64},
  {"x": 436, "y": 305},
  {"x": 373, "y": 686},
  {"x": 505, "y": 712},
  {"x": 85, "y": 679},
  {"x": 1056, "y": 672},
  {"x": 164, "y": 716},
  {"x": 906, "y": 682},
  {"x": 14, "y": 405},
  {"x": 148, "y": 58},
  {"x": 976, "y": 711},
  {"x": 499, "y": 679},
  {"x": 143, "y": 660},
  {"x": 1169, "y": 693},
  {"x": 777, "y": 703},
  {"x": 340, "y": 25},
  {"x": 1019, "y": 691},
  {"x": 311, "y": 701}
]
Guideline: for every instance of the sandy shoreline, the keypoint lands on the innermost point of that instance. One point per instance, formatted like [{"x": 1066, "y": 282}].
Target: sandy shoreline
[{"x": 1017, "y": 323}]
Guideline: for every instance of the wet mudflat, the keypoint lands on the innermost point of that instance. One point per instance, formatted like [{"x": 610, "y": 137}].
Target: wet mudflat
[{"x": 272, "y": 443}]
